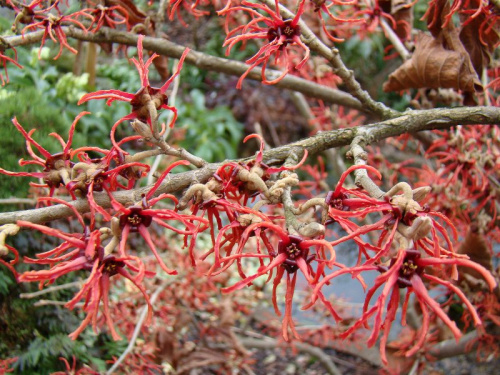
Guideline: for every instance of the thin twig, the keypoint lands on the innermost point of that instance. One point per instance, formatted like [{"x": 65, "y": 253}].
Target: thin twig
[
  {"x": 18, "y": 201},
  {"x": 48, "y": 302},
  {"x": 171, "y": 101},
  {"x": 74, "y": 284},
  {"x": 360, "y": 156},
  {"x": 201, "y": 60},
  {"x": 394, "y": 39},
  {"x": 138, "y": 326}
]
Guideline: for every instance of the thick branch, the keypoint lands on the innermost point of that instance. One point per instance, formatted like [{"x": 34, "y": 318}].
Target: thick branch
[
  {"x": 199, "y": 59},
  {"x": 450, "y": 348},
  {"x": 409, "y": 122}
]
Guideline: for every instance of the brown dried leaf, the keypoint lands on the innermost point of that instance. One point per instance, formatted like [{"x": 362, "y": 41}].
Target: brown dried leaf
[
  {"x": 402, "y": 12},
  {"x": 167, "y": 346},
  {"x": 433, "y": 66},
  {"x": 480, "y": 46},
  {"x": 161, "y": 65},
  {"x": 438, "y": 9},
  {"x": 476, "y": 248},
  {"x": 135, "y": 15}
]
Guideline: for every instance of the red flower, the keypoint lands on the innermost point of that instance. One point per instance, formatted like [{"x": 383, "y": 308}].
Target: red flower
[
  {"x": 72, "y": 369},
  {"x": 10, "y": 264},
  {"x": 97, "y": 175},
  {"x": 90, "y": 256},
  {"x": 4, "y": 60},
  {"x": 139, "y": 217},
  {"x": 144, "y": 102},
  {"x": 190, "y": 6},
  {"x": 241, "y": 181},
  {"x": 111, "y": 16},
  {"x": 56, "y": 167},
  {"x": 321, "y": 6},
  {"x": 398, "y": 209},
  {"x": 5, "y": 364},
  {"x": 52, "y": 26},
  {"x": 292, "y": 255},
  {"x": 406, "y": 270},
  {"x": 279, "y": 34}
]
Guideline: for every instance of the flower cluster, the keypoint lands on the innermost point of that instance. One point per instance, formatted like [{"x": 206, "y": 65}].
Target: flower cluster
[
  {"x": 244, "y": 225},
  {"x": 278, "y": 32}
]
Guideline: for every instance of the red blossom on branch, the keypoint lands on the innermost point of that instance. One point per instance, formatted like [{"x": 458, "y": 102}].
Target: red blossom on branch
[
  {"x": 52, "y": 26},
  {"x": 190, "y": 6},
  {"x": 6, "y": 59},
  {"x": 145, "y": 102},
  {"x": 407, "y": 270},
  {"x": 72, "y": 369},
  {"x": 56, "y": 167},
  {"x": 139, "y": 217},
  {"x": 88, "y": 255},
  {"x": 279, "y": 34},
  {"x": 323, "y": 6},
  {"x": 293, "y": 254},
  {"x": 108, "y": 16}
]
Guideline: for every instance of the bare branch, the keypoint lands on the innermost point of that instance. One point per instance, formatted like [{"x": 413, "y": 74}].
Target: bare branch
[
  {"x": 360, "y": 157},
  {"x": 408, "y": 122},
  {"x": 74, "y": 284},
  {"x": 201, "y": 60},
  {"x": 396, "y": 42}
]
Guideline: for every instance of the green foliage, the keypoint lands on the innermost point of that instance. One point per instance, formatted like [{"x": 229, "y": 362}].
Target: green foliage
[
  {"x": 6, "y": 280},
  {"x": 212, "y": 134},
  {"x": 32, "y": 110},
  {"x": 70, "y": 87},
  {"x": 43, "y": 354},
  {"x": 119, "y": 75}
]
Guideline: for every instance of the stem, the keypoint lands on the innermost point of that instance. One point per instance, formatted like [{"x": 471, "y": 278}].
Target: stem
[
  {"x": 408, "y": 122},
  {"x": 138, "y": 327},
  {"x": 199, "y": 59}
]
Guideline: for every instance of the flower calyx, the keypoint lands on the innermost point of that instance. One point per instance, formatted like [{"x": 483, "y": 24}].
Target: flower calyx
[
  {"x": 405, "y": 204},
  {"x": 134, "y": 218},
  {"x": 293, "y": 251},
  {"x": 286, "y": 32}
]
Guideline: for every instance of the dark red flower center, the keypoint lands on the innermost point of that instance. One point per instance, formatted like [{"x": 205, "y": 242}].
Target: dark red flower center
[
  {"x": 111, "y": 265},
  {"x": 337, "y": 201},
  {"x": 409, "y": 268},
  {"x": 287, "y": 30},
  {"x": 56, "y": 161},
  {"x": 293, "y": 251},
  {"x": 134, "y": 219},
  {"x": 318, "y": 4},
  {"x": 99, "y": 181}
]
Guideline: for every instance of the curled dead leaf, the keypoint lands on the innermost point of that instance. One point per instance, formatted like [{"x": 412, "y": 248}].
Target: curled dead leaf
[
  {"x": 475, "y": 246},
  {"x": 402, "y": 13},
  {"x": 161, "y": 66},
  {"x": 433, "y": 66},
  {"x": 479, "y": 42}
]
